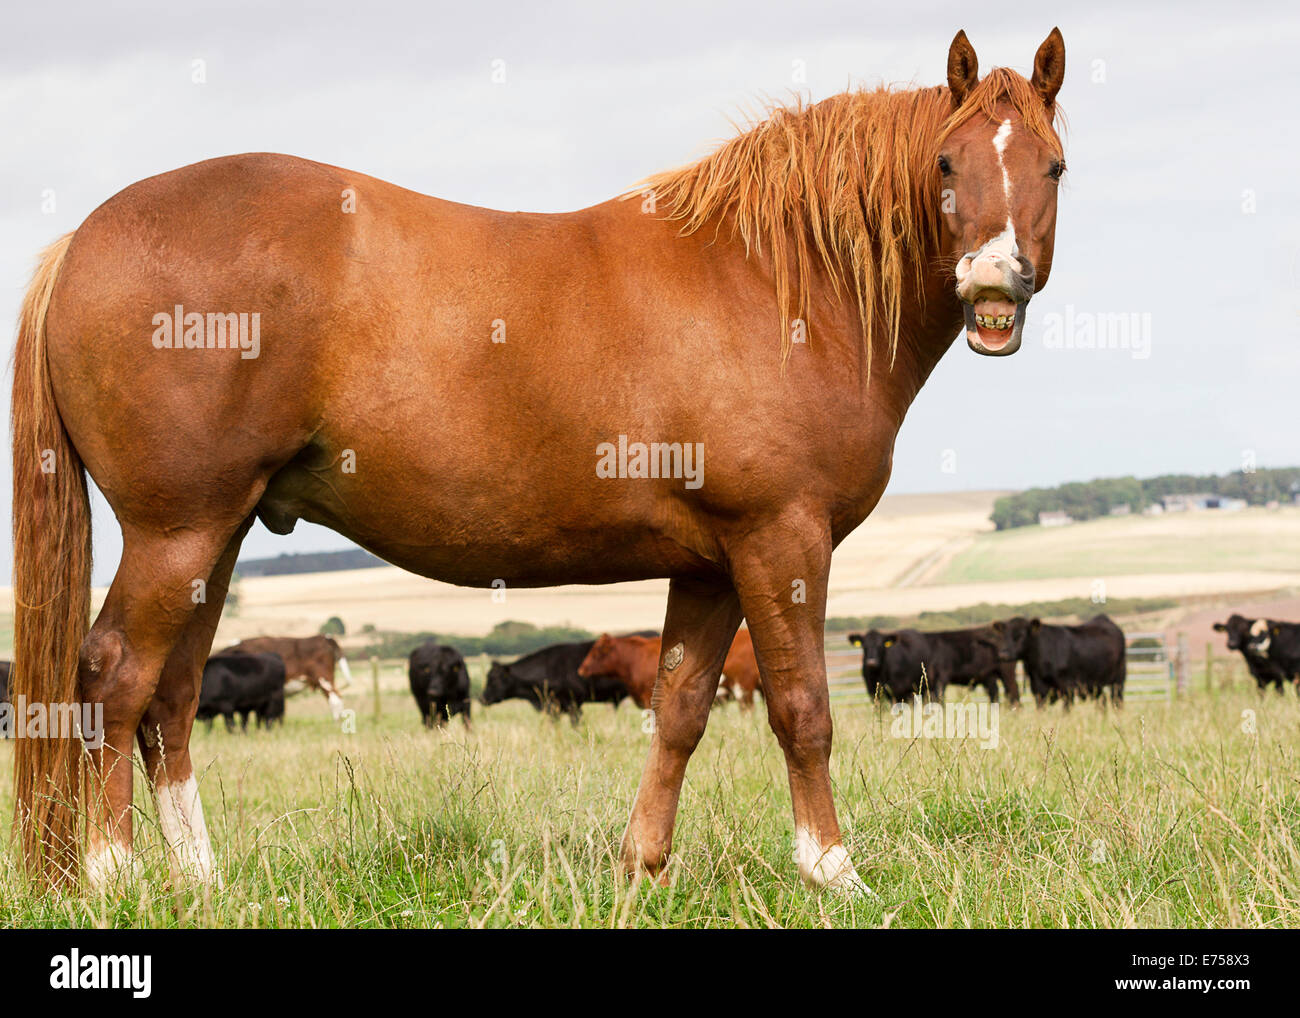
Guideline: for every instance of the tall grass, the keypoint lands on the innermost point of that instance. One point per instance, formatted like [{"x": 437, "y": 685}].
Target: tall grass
[{"x": 1179, "y": 814}]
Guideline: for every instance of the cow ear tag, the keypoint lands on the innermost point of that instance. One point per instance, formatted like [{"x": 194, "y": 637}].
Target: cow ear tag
[
  {"x": 889, "y": 643},
  {"x": 674, "y": 657}
]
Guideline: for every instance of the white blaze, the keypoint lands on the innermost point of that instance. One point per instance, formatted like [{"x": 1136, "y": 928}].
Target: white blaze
[{"x": 1000, "y": 146}]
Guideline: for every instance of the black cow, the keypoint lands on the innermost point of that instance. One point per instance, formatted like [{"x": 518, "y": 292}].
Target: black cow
[
  {"x": 549, "y": 680},
  {"x": 439, "y": 683},
  {"x": 970, "y": 657},
  {"x": 960, "y": 657},
  {"x": 909, "y": 664},
  {"x": 242, "y": 684},
  {"x": 1271, "y": 649},
  {"x": 1066, "y": 662},
  {"x": 872, "y": 643},
  {"x": 1280, "y": 641}
]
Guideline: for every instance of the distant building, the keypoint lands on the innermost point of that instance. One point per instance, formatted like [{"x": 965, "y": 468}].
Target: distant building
[
  {"x": 1200, "y": 501},
  {"x": 1123, "y": 509},
  {"x": 1154, "y": 509},
  {"x": 1183, "y": 503},
  {"x": 1055, "y": 518}
]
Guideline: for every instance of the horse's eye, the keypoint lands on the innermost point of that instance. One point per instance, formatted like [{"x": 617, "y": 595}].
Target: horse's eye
[
  {"x": 945, "y": 167},
  {"x": 1058, "y": 168}
]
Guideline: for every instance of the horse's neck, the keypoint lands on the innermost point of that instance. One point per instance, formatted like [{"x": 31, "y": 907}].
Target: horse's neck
[{"x": 927, "y": 327}]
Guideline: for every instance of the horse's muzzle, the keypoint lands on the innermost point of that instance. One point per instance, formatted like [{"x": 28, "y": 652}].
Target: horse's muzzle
[{"x": 994, "y": 287}]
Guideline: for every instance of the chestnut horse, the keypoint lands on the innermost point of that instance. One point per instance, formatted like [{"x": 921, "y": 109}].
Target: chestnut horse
[
  {"x": 493, "y": 398},
  {"x": 634, "y": 661}
]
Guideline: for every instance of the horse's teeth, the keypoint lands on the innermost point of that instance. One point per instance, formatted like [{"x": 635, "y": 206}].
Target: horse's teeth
[{"x": 996, "y": 322}]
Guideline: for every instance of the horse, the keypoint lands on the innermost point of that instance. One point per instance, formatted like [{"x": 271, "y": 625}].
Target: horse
[
  {"x": 308, "y": 660},
  {"x": 634, "y": 661},
  {"x": 259, "y": 336}
]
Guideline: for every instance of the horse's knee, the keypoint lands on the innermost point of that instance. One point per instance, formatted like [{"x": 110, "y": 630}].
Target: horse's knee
[
  {"x": 801, "y": 720},
  {"x": 679, "y": 729},
  {"x": 108, "y": 674}
]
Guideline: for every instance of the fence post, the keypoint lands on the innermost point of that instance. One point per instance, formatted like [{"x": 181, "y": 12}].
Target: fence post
[
  {"x": 1180, "y": 665},
  {"x": 1209, "y": 666},
  {"x": 374, "y": 684}
]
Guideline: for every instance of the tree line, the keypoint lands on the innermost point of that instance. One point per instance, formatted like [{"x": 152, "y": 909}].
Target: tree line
[{"x": 1085, "y": 500}]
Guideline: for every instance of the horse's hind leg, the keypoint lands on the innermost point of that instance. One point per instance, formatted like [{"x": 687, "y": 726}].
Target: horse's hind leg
[
  {"x": 149, "y": 605},
  {"x": 702, "y": 618},
  {"x": 164, "y": 731}
]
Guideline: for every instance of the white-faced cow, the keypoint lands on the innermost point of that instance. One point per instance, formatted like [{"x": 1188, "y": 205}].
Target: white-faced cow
[
  {"x": 309, "y": 661},
  {"x": 1264, "y": 650}
]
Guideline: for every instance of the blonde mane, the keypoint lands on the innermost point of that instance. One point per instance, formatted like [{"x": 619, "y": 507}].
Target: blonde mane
[{"x": 850, "y": 181}]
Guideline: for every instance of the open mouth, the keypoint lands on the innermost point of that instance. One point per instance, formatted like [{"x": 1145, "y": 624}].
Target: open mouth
[{"x": 994, "y": 324}]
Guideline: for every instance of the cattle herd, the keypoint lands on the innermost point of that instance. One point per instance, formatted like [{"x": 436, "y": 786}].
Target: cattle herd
[{"x": 1061, "y": 664}]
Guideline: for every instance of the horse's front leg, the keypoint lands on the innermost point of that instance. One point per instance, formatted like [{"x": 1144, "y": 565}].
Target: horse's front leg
[
  {"x": 701, "y": 620},
  {"x": 781, "y": 576}
]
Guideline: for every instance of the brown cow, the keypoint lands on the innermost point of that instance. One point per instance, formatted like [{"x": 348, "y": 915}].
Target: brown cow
[
  {"x": 635, "y": 661},
  {"x": 309, "y": 660}
]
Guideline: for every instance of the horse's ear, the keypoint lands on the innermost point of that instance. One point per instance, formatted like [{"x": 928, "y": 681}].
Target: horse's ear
[
  {"x": 1049, "y": 67},
  {"x": 963, "y": 68}
]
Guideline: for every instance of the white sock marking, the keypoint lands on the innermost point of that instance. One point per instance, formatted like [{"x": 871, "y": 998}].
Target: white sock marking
[
  {"x": 826, "y": 867},
  {"x": 180, "y": 815},
  {"x": 104, "y": 866}
]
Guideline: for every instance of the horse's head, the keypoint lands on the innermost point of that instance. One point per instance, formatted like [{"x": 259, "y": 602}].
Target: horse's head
[{"x": 1000, "y": 161}]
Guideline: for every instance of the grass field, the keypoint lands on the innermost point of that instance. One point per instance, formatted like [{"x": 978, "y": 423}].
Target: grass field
[
  {"x": 1202, "y": 542},
  {"x": 1178, "y": 814}
]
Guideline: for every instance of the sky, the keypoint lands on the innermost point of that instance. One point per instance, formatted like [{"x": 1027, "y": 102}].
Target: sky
[{"x": 1179, "y": 220}]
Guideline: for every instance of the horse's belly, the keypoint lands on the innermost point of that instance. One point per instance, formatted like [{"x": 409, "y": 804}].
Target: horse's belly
[{"x": 427, "y": 530}]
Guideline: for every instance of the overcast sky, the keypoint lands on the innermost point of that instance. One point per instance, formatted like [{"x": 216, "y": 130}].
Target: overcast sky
[{"x": 1181, "y": 203}]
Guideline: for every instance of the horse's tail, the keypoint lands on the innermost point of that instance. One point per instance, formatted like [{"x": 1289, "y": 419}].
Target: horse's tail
[{"x": 51, "y": 594}]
